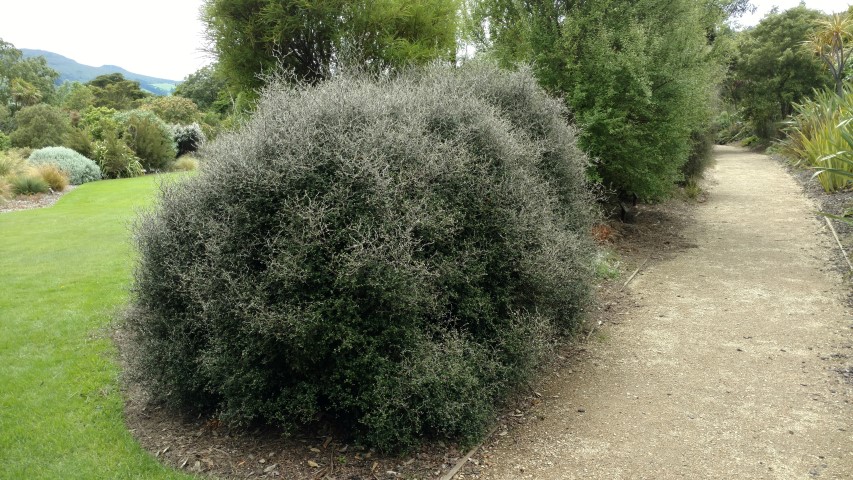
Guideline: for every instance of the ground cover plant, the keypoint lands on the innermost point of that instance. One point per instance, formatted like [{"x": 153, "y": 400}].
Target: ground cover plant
[
  {"x": 391, "y": 255},
  {"x": 64, "y": 272}
]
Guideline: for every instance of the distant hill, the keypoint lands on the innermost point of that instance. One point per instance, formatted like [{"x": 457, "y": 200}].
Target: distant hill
[{"x": 71, "y": 71}]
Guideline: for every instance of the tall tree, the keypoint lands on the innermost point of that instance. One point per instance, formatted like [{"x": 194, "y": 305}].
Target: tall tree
[
  {"x": 114, "y": 91},
  {"x": 30, "y": 78},
  {"x": 314, "y": 38},
  {"x": 637, "y": 75},
  {"x": 772, "y": 71},
  {"x": 205, "y": 87}
]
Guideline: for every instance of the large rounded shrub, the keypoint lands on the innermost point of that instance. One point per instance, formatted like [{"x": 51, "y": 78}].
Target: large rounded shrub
[
  {"x": 394, "y": 256},
  {"x": 78, "y": 168}
]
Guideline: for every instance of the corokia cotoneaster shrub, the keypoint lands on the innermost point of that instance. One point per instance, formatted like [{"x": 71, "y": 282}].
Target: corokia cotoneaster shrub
[
  {"x": 78, "y": 168},
  {"x": 394, "y": 256}
]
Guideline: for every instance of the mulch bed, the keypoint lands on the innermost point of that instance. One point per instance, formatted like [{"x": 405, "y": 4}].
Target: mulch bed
[{"x": 27, "y": 202}]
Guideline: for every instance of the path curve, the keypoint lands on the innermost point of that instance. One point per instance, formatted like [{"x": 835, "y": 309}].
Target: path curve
[{"x": 726, "y": 366}]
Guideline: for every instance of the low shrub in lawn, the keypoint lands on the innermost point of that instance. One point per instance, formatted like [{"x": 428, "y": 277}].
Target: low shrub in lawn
[
  {"x": 29, "y": 184},
  {"x": 79, "y": 168},
  {"x": 394, "y": 256},
  {"x": 55, "y": 178}
]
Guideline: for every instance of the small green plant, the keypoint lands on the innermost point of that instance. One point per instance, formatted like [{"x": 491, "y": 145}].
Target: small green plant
[
  {"x": 5, "y": 142},
  {"x": 750, "y": 141},
  {"x": 692, "y": 189},
  {"x": 79, "y": 168},
  {"x": 607, "y": 265},
  {"x": 53, "y": 176},
  {"x": 29, "y": 184}
]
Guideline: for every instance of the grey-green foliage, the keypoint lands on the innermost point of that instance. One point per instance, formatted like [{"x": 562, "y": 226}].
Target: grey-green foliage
[
  {"x": 396, "y": 255},
  {"x": 79, "y": 168}
]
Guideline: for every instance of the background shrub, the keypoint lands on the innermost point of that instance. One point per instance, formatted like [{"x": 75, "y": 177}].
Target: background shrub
[
  {"x": 5, "y": 190},
  {"x": 79, "y": 168},
  {"x": 149, "y": 138},
  {"x": 40, "y": 126},
  {"x": 5, "y": 142},
  {"x": 12, "y": 162},
  {"x": 115, "y": 158},
  {"x": 97, "y": 120},
  {"x": 55, "y": 178},
  {"x": 188, "y": 138},
  {"x": 185, "y": 163},
  {"x": 393, "y": 255},
  {"x": 29, "y": 184},
  {"x": 80, "y": 140},
  {"x": 173, "y": 109}
]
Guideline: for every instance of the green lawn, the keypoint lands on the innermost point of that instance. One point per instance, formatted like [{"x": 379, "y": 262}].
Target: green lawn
[{"x": 64, "y": 272}]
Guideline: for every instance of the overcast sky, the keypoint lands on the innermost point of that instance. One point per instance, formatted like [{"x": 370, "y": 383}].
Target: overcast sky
[
  {"x": 161, "y": 38},
  {"x": 764, "y": 6}
]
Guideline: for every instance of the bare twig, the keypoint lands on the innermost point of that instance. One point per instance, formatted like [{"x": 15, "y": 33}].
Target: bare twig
[
  {"x": 838, "y": 241},
  {"x": 634, "y": 274},
  {"x": 462, "y": 461}
]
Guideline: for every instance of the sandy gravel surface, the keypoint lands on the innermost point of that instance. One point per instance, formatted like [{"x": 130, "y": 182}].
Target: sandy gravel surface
[{"x": 731, "y": 361}]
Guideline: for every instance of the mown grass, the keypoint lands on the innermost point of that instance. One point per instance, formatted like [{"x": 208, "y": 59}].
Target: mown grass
[{"x": 64, "y": 272}]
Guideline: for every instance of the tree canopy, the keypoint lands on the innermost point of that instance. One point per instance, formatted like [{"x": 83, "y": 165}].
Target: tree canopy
[
  {"x": 114, "y": 91},
  {"x": 314, "y": 39},
  {"x": 637, "y": 75},
  {"x": 24, "y": 81},
  {"x": 205, "y": 87},
  {"x": 773, "y": 71}
]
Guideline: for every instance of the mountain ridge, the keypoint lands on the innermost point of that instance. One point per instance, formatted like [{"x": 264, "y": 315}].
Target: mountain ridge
[{"x": 72, "y": 71}]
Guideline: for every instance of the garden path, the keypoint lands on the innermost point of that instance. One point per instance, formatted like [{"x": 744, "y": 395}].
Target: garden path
[{"x": 732, "y": 360}]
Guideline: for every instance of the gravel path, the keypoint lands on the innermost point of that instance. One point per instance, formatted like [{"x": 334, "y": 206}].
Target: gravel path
[{"x": 733, "y": 361}]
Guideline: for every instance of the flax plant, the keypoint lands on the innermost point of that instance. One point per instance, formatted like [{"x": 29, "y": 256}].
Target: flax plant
[{"x": 818, "y": 137}]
